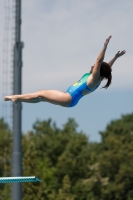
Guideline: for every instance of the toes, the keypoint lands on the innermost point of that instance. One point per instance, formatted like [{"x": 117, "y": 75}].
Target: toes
[{"x": 6, "y": 99}]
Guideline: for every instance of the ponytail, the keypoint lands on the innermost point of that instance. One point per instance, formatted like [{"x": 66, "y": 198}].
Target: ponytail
[{"x": 105, "y": 72}]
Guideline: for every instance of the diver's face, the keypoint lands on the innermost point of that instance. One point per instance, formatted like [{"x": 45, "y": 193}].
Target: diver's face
[{"x": 92, "y": 69}]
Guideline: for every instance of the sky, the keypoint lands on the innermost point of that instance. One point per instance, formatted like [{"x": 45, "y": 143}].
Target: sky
[{"x": 62, "y": 40}]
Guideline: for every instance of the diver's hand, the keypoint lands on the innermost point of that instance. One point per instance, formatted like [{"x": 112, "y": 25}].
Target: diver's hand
[
  {"x": 120, "y": 53},
  {"x": 107, "y": 41}
]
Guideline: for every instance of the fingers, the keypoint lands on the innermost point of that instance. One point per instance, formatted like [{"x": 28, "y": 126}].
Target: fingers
[
  {"x": 120, "y": 53},
  {"x": 110, "y": 37},
  {"x": 123, "y": 51},
  {"x": 107, "y": 40}
]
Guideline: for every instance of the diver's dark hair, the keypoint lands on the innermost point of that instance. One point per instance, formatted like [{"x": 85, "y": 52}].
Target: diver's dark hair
[{"x": 105, "y": 72}]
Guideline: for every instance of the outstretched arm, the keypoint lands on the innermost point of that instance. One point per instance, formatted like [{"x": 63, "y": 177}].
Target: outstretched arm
[
  {"x": 99, "y": 60},
  {"x": 111, "y": 62}
]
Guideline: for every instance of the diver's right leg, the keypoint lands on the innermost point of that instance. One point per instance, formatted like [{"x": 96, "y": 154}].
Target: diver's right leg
[
  {"x": 52, "y": 96},
  {"x": 28, "y": 98}
]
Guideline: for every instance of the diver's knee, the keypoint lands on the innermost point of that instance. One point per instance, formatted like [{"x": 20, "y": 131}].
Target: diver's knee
[{"x": 41, "y": 93}]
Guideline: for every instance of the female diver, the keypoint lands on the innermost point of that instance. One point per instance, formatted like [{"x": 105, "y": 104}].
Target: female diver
[{"x": 87, "y": 84}]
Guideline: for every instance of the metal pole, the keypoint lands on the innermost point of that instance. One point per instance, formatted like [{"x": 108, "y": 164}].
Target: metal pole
[{"x": 16, "y": 149}]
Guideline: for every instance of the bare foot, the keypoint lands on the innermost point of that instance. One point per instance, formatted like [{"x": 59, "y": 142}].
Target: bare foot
[
  {"x": 11, "y": 98},
  {"x": 7, "y": 98}
]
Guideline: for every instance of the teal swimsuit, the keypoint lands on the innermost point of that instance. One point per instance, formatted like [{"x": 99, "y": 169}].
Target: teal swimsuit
[{"x": 77, "y": 88}]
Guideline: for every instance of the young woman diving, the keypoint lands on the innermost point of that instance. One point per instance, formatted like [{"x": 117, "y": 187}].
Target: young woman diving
[{"x": 86, "y": 85}]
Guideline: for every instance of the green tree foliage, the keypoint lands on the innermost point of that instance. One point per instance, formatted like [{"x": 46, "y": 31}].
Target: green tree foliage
[
  {"x": 71, "y": 167},
  {"x": 57, "y": 156},
  {"x": 116, "y": 159},
  {"x": 5, "y": 157}
]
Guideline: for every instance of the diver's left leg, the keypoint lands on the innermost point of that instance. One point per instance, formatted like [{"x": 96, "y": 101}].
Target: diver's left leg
[{"x": 51, "y": 96}]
